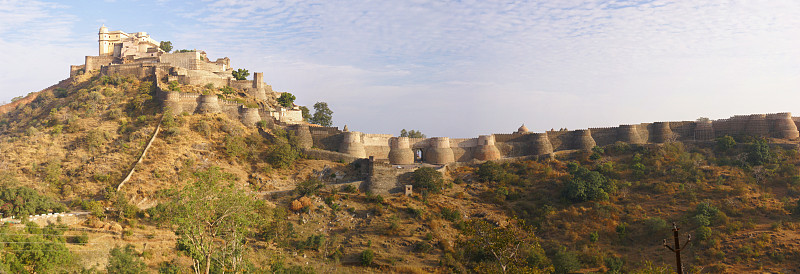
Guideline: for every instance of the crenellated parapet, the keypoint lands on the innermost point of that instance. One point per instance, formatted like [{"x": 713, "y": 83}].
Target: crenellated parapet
[{"x": 522, "y": 143}]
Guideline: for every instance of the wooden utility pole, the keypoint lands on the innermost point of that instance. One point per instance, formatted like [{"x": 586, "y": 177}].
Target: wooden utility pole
[{"x": 677, "y": 249}]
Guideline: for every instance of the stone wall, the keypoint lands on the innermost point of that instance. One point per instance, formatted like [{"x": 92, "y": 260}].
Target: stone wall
[
  {"x": 443, "y": 150},
  {"x": 95, "y": 62}
]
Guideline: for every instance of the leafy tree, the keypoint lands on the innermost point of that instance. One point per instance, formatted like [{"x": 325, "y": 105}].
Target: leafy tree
[
  {"x": 166, "y": 46},
  {"x": 24, "y": 201},
  {"x": 323, "y": 115},
  {"x": 286, "y": 100},
  {"x": 725, "y": 143},
  {"x": 502, "y": 249},
  {"x": 411, "y": 134},
  {"x": 212, "y": 218},
  {"x": 240, "y": 74},
  {"x": 44, "y": 251},
  {"x": 565, "y": 261},
  {"x": 125, "y": 260},
  {"x": 586, "y": 185},
  {"x": 427, "y": 178},
  {"x": 306, "y": 113},
  {"x": 759, "y": 153}
]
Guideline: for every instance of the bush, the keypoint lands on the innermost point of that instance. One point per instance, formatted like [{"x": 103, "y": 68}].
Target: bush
[
  {"x": 125, "y": 260},
  {"x": 309, "y": 187},
  {"x": 81, "y": 239},
  {"x": 565, "y": 261},
  {"x": 725, "y": 143},
  {"x": 367, "y": 256},
  {"x": 451, "y": 214},
  {"x": 587, "y": 185},
  {"x": 429, "y": 179},
  {"x": 759, "y": 153}
]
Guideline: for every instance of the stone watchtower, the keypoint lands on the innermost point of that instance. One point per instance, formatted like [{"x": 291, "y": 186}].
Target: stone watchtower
[{"x": 106, "y": 47}]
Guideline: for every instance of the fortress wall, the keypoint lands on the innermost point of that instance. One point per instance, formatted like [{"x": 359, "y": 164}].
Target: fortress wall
[
  {"x": 230, "y": 108},
  {"x": 559, "y": 139},
  {"x": 683, "y": 130},
  {"x": 241, "y": 84},
  {"x": 509, "y": 137},
  {"x": 418, "y": 142},
  {"x": 187, "y": 60},
  {"x": 95, "y": 62},
  {"x": 644, "y": 131},
  {"x": 73, "y": 70},
  {"x": 605, "y": 136},
  {"x": 377, "y": 145},
  {"x": 212, "y": 67},
  {"x": 132, "y": 70}
]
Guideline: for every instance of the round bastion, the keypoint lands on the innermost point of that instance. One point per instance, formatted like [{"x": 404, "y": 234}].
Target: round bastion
[
  {"x": 487, "y": 150},
  {"x": 439, "y": 152},
  {"x": 351, "y": 144},
  {"x": 209, "y": 104},
  {"x": 400, "y": 152},
  {"x": 250, "y": 116}
]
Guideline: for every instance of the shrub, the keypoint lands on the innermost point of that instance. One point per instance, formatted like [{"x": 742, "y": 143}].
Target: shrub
[
  {"x": 451, "y": 214},
  {"x": 703, "y": 233},
  {"x": 282, "y": 155},
  {"x": 427, "y": 178},
  {"x": 565, "y": 261},
  {"x": 587, "y": 185},
  {"x": 81, "y": 239},
  {"x": 309, "y": 187},
  {"x": 367, "y": 256},
  {"x": 125, "y": 260},
  {"x": 725, "y": 143},
  {"x": 759, "y": 153}
]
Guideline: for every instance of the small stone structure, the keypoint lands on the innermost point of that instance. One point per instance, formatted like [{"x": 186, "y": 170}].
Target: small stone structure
[{"x": 409, "y": 190}]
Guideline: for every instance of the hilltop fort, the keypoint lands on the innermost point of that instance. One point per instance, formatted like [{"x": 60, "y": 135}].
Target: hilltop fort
[{"x": 138, "y": 55}]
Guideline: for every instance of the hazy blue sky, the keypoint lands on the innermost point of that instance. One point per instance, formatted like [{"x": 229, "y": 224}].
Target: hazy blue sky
[{"x": 453, "y": 68}]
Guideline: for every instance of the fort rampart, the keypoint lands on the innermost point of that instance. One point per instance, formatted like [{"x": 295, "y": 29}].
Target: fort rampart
[{"x": 442, "y": 150}]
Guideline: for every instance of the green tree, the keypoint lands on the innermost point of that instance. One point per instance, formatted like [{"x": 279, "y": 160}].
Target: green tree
[
  {"x": 286, "y": 100},
  {"x": 725, "y": 143},
  {"x": 586, "y": 185},
  {"x": 411, "y": 134},
  {"x": 240, "y": 74},
  {"x": 166, "y": 46},
  {"x": 212, "y": 219},
  {"x": 306, "y": 113},
  {"x": 323, "y": 115},
  {"x": 505, "y": 249},
  {"x": 759, "y": 153},
  {"x": 427, "y": 178},
  {"x": 125, "y": 260}
]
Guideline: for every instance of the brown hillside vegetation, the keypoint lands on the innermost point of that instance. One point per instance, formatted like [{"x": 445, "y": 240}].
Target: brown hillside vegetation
[{"x": 213, "y": 193}]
